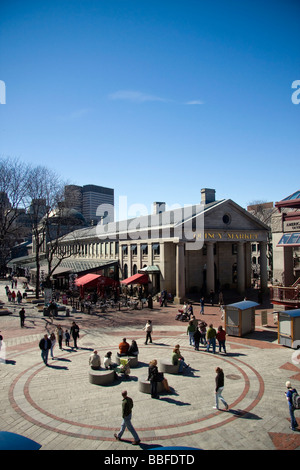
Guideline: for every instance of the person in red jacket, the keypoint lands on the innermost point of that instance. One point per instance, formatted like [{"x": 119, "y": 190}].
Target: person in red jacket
[
  {"x": 221, "y": 336},
  {"x": 123, "y": 348}
]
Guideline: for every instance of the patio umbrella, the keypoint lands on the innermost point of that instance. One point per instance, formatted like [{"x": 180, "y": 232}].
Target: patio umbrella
[{"x": 12, "y": 441}]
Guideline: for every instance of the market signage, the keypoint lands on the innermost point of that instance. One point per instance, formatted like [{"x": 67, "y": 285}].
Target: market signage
[
  {"x": 227, "y": 236},
  {"x": 291, "y": 226}
]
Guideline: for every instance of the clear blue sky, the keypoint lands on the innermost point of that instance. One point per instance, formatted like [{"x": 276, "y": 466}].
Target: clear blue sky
[{"x": 156, "y": 99}]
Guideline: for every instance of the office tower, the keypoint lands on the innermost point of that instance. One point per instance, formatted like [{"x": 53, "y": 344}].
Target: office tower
[{"x": 96, "y": 203}]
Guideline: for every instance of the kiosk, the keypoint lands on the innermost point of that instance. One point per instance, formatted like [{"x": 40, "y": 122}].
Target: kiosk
[
  {"x": 240, "y": 318},
  {"x": 289, "y": 328}
]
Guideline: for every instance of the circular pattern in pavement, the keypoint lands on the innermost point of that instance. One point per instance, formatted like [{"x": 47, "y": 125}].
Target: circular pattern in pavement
[{"x": 61, "y": 399}]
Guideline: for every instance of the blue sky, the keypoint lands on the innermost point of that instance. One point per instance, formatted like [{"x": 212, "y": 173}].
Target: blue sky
[{"x": 156, "y": 99}]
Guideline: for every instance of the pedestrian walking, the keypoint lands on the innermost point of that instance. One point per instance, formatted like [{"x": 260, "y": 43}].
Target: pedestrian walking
[
  {"x": 127, "y": 406},
  {"x": 190, "y": 331},
  {"x": 60, "y": 335},
  {"x": 211, "y": 297},
  {"x": 289, "y": 394},
  {"x": 45, "y": 345},
  {"x": 67, "y": 338},
  {"x": 202, "y": 328},
  {"x": 219, "y": 388},
  {"x": 22, "y": 317},
  {"x": 19, "y": 297},
  {"x": 202, "y": 305},
  {"x": 53, "y": 343},
  {"x": 197, "y": 336},
  {"x": 211, "y": 338},
  {"x": 221, "y": 336},
  {"x": 148, "y": 328},
  {"x": 74, "y": 331}
]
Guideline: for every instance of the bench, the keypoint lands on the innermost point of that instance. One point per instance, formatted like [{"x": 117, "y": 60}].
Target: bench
[
  {"x": 165, "y": 365},
  {"x": 101, "y": 376},
  {"x": 132, "y": 360},
  {"x": 145, "y": 386}
]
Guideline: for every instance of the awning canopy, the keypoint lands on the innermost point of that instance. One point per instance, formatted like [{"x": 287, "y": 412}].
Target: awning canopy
[
  {"x": 289, "y": 239},
  {"x": 90, "y": 280},
  {"x": 136, "y": 279},
  {"x": 150, "y": 270}
]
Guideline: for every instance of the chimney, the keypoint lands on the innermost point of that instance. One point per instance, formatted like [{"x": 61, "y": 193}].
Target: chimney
[
  {"x": 159, "y": 207},
  {"x": 208, "y": 195}
]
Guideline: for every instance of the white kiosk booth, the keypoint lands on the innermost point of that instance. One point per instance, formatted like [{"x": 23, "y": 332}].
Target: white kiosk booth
[
  {"x": 240, "y": 318},
  {"x": 289, "y": 328}
]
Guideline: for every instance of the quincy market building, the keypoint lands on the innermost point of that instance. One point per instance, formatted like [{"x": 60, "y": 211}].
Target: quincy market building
[{"x": 198, "y": 248}]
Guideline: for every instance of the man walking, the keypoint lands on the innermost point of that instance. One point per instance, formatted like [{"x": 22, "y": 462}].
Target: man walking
[
  {"x": 148, "y": 329},
  {"x": 22, "y": 317},
  {"x": 127, "y": 405},
  {"x": 45, "y": 345},
  {"x": 74, "y": 330},
  {"x": 289, "y": 394},
  {"x": 211, "y": 338}
]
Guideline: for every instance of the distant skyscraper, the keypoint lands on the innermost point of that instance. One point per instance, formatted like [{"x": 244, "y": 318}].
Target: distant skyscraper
[{"x": 94, "y": 202}]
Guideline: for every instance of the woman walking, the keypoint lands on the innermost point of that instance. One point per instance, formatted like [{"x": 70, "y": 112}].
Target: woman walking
[{"x": 219, "y": 388}]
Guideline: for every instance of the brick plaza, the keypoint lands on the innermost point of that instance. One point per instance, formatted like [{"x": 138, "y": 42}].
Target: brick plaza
[{"x": 58, "y": 407}]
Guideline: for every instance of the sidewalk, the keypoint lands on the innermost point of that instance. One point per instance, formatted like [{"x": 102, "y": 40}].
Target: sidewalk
[{"x": 60, "y": 409}]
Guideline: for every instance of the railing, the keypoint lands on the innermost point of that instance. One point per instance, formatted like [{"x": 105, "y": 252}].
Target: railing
[{"x": 285, "y": 295}]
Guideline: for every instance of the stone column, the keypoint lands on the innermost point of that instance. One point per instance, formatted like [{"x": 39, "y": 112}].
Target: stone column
[
  {"x": 248, "y": 264},
  {"x": 263, "y": 266},
  {"x": 180, "y": 273},
  {"x": 129, "y": 260},
  {"x": 210, "y": 267},
  {"x": 241, "y": 267}
]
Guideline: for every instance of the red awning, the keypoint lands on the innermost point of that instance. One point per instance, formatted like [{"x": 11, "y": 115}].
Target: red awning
[
  {"x": 136, "y": 279},
  {"x": 87, "y": 279}
]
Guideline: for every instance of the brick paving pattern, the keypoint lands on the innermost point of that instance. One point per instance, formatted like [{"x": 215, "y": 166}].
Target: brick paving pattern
[{"x": 60, "y": 409}]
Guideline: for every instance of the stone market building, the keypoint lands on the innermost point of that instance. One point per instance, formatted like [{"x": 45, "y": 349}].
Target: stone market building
[{"x": 184, "y": 250}]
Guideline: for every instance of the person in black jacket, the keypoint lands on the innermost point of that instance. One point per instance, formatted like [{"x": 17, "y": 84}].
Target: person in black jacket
[
  {"x": 219, "y": 388},
  {"x": 45, "y": 345},
  {"x": 74, "y": 331},
  {"x": 153, "y": 377}
]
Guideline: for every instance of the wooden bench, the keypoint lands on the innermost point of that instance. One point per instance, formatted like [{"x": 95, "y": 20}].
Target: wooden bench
[
  {"x": 145, "y": 386},
  {"x": 132, "y": 360},
  {"x": 101, "y": 376},
  {"x": 165, "y": 365}
]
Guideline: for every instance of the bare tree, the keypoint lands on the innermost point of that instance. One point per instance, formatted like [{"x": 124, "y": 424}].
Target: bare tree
[
  {"x": 44, "y": 192},
  {"x": 13, "y": 188}
]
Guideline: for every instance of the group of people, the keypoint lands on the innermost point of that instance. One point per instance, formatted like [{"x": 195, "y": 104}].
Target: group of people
[
  {"x": 12, "y": 296},
  {"x": 48, "y": 342},
  {"x": 155, "y": 377},
  {"x": 199, "y": 334}
]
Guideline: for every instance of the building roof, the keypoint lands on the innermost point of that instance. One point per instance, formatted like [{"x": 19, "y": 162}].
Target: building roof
[
  {"x": 169, "y": 221},
  {"x": 244, "y": 304},
  {"x": 292, "y": 201}
]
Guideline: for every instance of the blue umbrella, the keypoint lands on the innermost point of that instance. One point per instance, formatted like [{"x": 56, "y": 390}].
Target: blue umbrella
[{"x": 12, "y": 441}]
